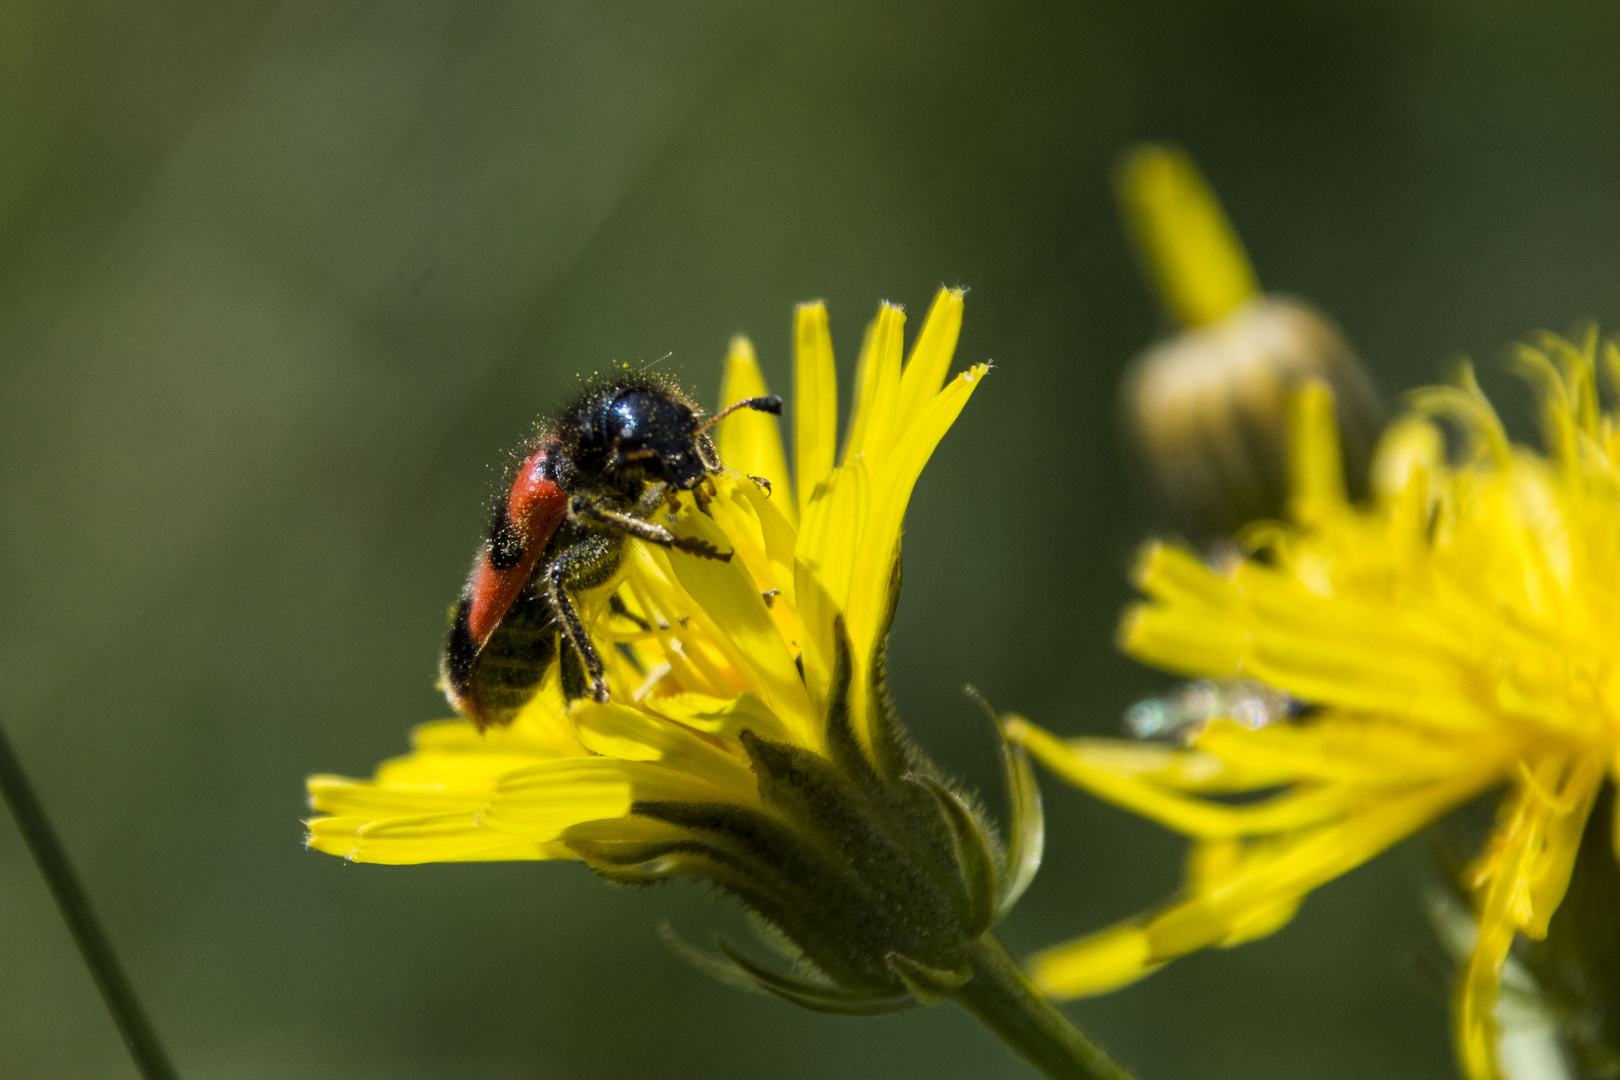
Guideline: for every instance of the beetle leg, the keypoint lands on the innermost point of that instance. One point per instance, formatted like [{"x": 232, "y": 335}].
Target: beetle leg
[
  {"x": 573, "y": 562},
  {"x": 645, "y": 530}
]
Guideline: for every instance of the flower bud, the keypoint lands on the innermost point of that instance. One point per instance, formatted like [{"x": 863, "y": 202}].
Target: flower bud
[{"x": 1206, "y": 409}]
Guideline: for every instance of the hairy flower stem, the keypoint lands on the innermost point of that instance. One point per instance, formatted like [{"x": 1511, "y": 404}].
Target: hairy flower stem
[
  {"x": 1002, "y": 997},
  {"x": 46, "y": 847}
]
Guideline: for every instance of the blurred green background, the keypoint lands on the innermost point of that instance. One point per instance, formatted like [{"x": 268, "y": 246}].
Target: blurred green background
[{"x": 280, "y": 282}]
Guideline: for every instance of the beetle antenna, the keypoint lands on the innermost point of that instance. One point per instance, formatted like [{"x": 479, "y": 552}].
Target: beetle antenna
[{"x": 769, "y": 404}]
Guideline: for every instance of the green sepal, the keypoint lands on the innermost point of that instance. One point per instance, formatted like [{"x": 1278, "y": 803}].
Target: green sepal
[
  {"x": 929, "y": 984},
  {"x": 902, "y": 886},
  {"x": 620, "y": 853},
  {"x": 788, "y": 878},
  {"x": 654, "y": 863},
  {"x": 813, "y": 995},
  {"x": 980, "y": 874},
  {"x": 734, "y": 969},
  {"x": 905, "y": 812},
  {"x": 774, "y": 937},
  {"x": 718, "y": 968},
  {"x": 1026, "y": 826},
  {"x": 882, "y": 884}
]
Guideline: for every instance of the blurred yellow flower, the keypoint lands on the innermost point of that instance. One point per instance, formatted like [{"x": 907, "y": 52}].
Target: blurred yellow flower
[
  {"x": 748, "y": 740},
  {"x": 1456, "y": 634}
]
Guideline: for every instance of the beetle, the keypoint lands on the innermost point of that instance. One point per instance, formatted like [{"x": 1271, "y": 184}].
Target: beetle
[{"x": 588, "y": 482}]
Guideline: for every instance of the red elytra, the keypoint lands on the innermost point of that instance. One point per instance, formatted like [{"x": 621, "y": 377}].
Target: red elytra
[{"x": 535, "y": 508}]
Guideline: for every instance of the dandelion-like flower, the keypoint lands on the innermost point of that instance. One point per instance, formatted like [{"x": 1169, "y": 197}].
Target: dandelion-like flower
[
  {"x": 1455, "y": 634},
  {"x": 748, "y": 740}
]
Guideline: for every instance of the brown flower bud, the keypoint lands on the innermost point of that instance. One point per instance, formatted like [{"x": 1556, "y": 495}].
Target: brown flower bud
[{"x": 1206, "y": 410}]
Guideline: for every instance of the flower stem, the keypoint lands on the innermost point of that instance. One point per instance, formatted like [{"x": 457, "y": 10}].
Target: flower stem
[
  {"x": 1002, "y": 997},
  {"x": 46, "y": 847}
]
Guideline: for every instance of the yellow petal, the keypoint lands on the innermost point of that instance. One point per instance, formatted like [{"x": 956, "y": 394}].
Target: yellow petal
[
  {"x": 1399, "y": 677},
  {"x": 426, "y": 838},
  {"x": 1174, "y": 767},
  {"x": 764, "y": 543},
  {"x": 815, "y": 401},
  {"x": 341, "y": 796},
  {"x": 1184, "y": 239},
  {"x": 1549, "y": 876},
  {"x": 1096, "y": 964},
  {"x": 825, "y": 562},
  {"x": 1329, "y": 650},
  {"x": 1294, "y": 809},
  {"x": 877, "y": 388},
  {"x": 780, "y": 540},
  {"x": 541, "y": 730},
  {"x": 1467, "y": 404},
  {"x": 727, "y": 718},
  {"x": 691, "y": 651},
  {"x": 1169, "y": 573},
  {"x": 750, "y": 441},
  {"x": 628, "y": 734},
  {"x": 466, "y": 770},
  {"x": 732, "y": 601},
  {"x": 541, "y": 802},
  {"x": 1286, "y": 868},
  {"x": 1410, "y": 447},
  {"x": 1260, "y": 921},
  {"x": 1481, "y": 982},
  {"x": 543, "y": 723},
  {"x": 1349, "y": 748},
  {"x": 930, "y": 359},
  {"x": 879, "y": 541},
  {"x": 1315, "y": 465},
  {"x": 1184, "y": 640}
]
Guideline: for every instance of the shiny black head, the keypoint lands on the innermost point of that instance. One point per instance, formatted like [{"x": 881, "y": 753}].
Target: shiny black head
[
  {"x": 654, "y": 427},
  {"x": 641, "y": 429}
]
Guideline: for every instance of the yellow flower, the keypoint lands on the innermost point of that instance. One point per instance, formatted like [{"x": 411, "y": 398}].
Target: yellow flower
[
  {"x": 1455, "y": 634},
  {"x": 748, "y": 740}
]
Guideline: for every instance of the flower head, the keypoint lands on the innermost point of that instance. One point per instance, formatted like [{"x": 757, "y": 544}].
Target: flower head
[
  {"x": 1455, "y": 634},
  {"x": 748, "y": 740}
]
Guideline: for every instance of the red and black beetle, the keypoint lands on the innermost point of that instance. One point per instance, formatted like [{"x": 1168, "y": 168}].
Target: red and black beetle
[{"x": 590, "y": 480}]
